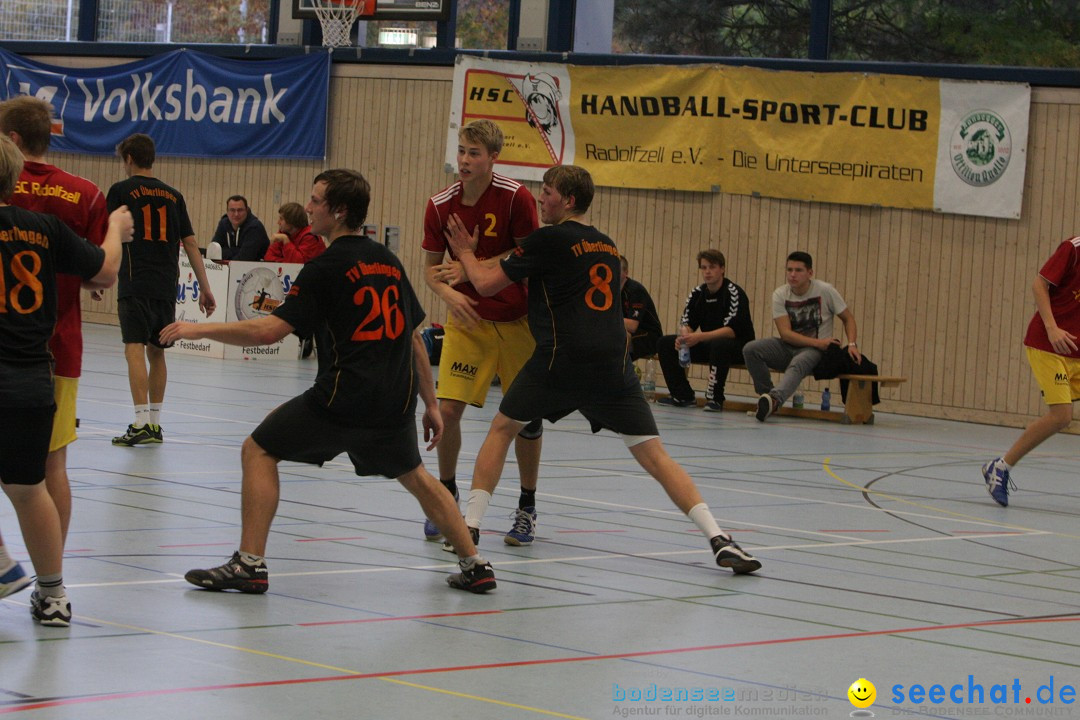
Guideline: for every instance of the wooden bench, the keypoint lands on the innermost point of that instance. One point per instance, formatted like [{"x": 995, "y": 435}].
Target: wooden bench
[{"x": 858, "y": 408}]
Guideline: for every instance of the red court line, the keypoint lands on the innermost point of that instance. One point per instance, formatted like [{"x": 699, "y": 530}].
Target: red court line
[
  {"x": 526, "y": 663},
  {"x": 405, "y": 617},
  {"x": 358, "y": 537},
  {"x": 190, "y": 545}
]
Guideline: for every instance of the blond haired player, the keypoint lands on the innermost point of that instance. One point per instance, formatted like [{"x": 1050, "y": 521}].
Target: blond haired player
[{"x": 489, "y": 336}]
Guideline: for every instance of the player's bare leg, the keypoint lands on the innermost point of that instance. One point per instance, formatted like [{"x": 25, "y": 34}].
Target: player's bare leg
[
  {"x": 59, "y": 487},
  {"x": 489, "y": 467},
  {"x": 259, "y": 494},
  {"x": 676, "y": 482}
]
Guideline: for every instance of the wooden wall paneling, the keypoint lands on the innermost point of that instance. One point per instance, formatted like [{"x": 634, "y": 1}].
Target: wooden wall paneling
[{"x": 942, "y": 299}]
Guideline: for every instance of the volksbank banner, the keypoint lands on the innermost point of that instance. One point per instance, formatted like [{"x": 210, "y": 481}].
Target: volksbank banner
[
  {"x": 190, "y": 103},
  {"x": 908, "y": 142}
]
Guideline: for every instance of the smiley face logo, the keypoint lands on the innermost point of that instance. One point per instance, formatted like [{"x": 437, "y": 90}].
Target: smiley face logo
[{"x": 862, "y": 693}]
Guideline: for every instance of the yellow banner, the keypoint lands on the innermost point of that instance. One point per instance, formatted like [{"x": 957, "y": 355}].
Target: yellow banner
[{"x": 844, "y": 137}]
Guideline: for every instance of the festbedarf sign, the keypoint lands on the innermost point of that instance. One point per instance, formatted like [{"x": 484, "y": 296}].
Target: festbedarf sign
[{"x": 190, "y": 103}]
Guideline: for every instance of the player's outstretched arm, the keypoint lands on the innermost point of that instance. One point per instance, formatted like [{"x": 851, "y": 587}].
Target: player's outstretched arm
[
  {"x": 120, "y": 231},
  {"x": 257, "y": 331}
]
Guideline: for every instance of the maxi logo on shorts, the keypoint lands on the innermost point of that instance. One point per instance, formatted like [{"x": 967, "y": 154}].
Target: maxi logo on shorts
[{"x": 463, "y": 370}]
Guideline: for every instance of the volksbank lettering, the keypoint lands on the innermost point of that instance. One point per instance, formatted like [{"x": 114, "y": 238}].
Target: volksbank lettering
[
  {"x": 188, "y": 101},
  {"x": 761, "y": 110}
]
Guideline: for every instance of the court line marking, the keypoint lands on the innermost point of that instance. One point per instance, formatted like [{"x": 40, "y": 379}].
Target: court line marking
[
  {"x": 826, "y": 464},
  {"x": 583, "y": 558},
  {"x": 352, "y": 675}
]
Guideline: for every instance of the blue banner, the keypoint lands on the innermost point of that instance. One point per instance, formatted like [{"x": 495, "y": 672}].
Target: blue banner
[{"x": 192, "y": 104}]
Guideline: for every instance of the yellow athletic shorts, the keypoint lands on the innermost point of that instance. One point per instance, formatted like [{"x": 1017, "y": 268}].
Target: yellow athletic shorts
[
  {"x": 1058, "y": 377},
  {"x": 65, "y": 390},
  {"x": 471, "y": 357}
]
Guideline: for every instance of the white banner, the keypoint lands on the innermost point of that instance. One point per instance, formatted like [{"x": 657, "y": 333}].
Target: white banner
[
  {"x": 187, "y": 305},
  {"x": 254, "y": 290}
]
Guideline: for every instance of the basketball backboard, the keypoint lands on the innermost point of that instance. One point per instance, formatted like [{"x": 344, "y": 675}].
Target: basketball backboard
[{"x": 388, "y": 10}]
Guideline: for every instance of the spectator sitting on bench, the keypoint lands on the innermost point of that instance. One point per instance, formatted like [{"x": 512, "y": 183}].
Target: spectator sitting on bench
[
  {"x": 639, "y": 315},
  {"x": 715, "y": 325},
  {"x": 803, "y": 311}
]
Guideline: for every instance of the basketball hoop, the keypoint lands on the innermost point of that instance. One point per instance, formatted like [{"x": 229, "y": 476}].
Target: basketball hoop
[{"x": 337, "y": 18}]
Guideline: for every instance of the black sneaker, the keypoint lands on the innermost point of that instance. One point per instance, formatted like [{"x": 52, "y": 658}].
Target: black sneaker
[
  {"x": 674, "y": 402},
  {"x": 477, "y": 578},
  {"x": 766, "y": 406},
  {"x": 233, "y": 575},
  {"x": 142, "y": 435},
  {"x": 729, "y": 555},
  {"x": 475, "y": 532},
  {"x": 156, "y": 433},
  {"x": 48, "y": 610},
  {"x": 713, "y": 406}
]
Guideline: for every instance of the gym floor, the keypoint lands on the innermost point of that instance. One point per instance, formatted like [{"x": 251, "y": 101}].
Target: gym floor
[{"x": 884, "y": 560}]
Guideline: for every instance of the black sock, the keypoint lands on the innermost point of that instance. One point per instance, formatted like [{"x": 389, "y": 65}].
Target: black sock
[
  {"x": 527, "y": 499},
  {"x": 451, "y": 485}
]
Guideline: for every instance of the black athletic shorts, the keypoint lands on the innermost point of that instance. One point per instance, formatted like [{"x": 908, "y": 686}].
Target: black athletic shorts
[
  {"x": 620, "y": 408},
  {"x": 142, "y": 319},
  {"x": 302, "y": 431},
  {"x": 24, "y": 444}
]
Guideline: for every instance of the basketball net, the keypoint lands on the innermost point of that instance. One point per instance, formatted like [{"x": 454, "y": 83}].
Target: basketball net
[{"x": 337, "y": 18}]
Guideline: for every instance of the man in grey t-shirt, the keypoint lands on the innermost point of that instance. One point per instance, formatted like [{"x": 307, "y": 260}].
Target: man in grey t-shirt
[{"x": 803, "y": 311}]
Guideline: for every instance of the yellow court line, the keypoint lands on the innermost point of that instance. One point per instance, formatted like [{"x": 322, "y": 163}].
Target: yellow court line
[
  {"x": 549, "y": 713},
  {"x": 333, "y": 668},
  {"x": 852, "y": 485}
]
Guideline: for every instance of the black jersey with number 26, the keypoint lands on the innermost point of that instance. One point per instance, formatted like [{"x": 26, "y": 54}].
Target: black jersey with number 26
[
  {"x": 575, "y": 310},
  {"x": 359, "y": 290}
]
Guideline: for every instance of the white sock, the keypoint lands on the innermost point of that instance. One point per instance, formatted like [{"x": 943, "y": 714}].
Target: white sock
[
  {"x": 251, "y": 559},
  {"x": 476, "y": 507},
  {"x": 466, "y": 563},
  {"x": 6, "y": 561},
  {"x": 155, "y": 413},
  {"x": 142, "y": 415},
  {"x": 705, "y": 521},
  {"x": 1001, "y": 462}
]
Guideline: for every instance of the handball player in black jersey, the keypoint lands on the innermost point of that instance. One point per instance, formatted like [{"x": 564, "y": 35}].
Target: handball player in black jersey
[
  {"x": 364, "y": 399},
  {"x": 581, "y": 361},
  {"x": 34, "y": 247}
]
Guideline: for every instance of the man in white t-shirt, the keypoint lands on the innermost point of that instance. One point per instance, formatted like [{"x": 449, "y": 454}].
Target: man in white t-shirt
[{"x": 803, "y": 311}]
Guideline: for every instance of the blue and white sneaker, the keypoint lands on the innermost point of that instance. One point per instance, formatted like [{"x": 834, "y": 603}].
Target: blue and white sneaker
[
  {"x": 431, "y": 531},
  {"x": 998, "y": 482},
  {"x": 524, "y": 527},
  {"x": 14, "y": 580}
]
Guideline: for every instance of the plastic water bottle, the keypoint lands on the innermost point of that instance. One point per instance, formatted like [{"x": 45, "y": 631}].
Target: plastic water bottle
[
  {"x": 684, "y": 349},
  {"x": 798, "y": 401},
  {"x": 826, "y": 397},
  {"x": 648, "y": 386}
]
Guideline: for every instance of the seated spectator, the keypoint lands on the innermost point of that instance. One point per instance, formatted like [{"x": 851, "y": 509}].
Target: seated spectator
[
  {"x": 803, "y": 311},
  {"x": 639, "y": 315},
  {"x": 240, "y": 234},
  {"x": 715, "y": 325},
  {"x": 294, "y": 242}
]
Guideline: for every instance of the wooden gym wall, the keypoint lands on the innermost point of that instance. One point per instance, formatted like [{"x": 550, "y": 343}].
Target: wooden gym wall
[{"x": 941, "y": 299}]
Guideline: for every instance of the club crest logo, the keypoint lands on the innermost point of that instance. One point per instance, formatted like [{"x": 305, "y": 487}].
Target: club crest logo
[{"x": 980, "y": 148}]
